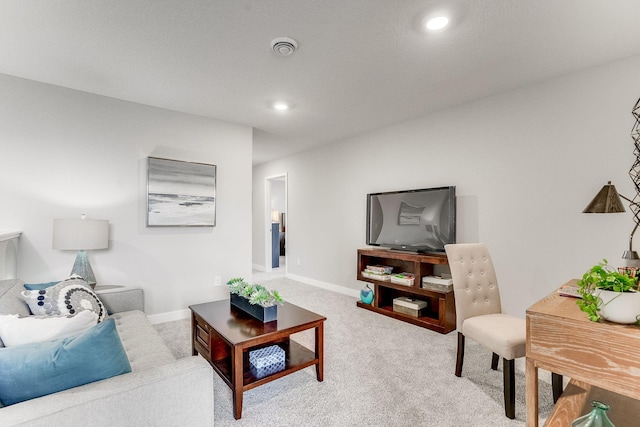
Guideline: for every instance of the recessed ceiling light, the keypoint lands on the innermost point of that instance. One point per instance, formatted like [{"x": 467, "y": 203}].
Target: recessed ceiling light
[
  {"x": 437, "y": 23},
  {"x": 281, "y": 106}
]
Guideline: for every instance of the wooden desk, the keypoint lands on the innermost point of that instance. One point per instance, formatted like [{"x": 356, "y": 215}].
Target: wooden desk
[{"x": 562, "y": 340}]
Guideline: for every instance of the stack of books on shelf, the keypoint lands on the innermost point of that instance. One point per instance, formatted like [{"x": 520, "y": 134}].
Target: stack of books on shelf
[
  {"x": 403, "y": 279},
  {"x": 377, "y": 272}
]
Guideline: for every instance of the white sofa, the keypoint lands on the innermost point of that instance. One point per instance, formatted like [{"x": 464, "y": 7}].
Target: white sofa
[{"x": 159, "y": 390}]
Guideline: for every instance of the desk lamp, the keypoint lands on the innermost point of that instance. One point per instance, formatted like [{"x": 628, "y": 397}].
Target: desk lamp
[
  {"x": 81, "y": 235},
  {"x": 608, "y": 201}
]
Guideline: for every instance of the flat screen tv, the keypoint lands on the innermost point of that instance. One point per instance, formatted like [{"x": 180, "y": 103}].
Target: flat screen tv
[{"x": 412, "y": 220}]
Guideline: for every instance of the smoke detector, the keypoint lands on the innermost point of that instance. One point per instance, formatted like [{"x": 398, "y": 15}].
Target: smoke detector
[{"x": 284, "y": 46}]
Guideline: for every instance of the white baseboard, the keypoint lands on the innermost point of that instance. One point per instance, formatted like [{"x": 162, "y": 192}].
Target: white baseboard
[
  {"x": 258, "y": 267},
  {"x": 169, "y": 316},
  {"x": 325, "y": 285}
]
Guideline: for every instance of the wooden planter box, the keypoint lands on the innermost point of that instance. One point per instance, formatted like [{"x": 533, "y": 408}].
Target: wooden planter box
[{"x": 264, "y": 314}]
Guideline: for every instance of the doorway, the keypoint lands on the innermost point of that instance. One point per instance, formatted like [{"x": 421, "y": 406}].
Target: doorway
[{"x": 276, "y": 218}]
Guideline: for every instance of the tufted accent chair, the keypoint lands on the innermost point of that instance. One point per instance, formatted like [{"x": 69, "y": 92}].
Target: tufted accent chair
[{"x": 479, "y": 314}]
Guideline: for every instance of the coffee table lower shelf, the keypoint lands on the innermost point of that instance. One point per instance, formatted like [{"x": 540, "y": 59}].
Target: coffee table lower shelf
[{"x": 297, "y": 357}]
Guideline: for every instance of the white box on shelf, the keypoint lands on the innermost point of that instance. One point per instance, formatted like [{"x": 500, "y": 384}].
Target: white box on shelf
[
  {"x": 266, "y": 361},
  {"x": 406, "y": 279},
  {"x": 408, "y": 305},
  {"x": 437, "y": 283}
]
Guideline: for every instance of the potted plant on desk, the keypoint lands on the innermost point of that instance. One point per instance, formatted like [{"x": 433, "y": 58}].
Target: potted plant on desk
[
  {"x": 609, "y": 294},
  {"x": 255, "y": 300}
]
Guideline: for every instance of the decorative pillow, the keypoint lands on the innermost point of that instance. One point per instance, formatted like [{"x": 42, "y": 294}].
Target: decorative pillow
[
  {"x": 16, "y": 330},
  {"x": 68, "y": 297},
  {"x": 34, "y": 370},
  {"x": 39, "y": 286}
]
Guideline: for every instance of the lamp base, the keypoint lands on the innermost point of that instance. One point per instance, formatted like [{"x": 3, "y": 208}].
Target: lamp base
[{"x": 82, "y": 268}]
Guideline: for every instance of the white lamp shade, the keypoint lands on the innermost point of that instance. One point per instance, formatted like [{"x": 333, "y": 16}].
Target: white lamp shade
[{"x": 80, "y": 234}]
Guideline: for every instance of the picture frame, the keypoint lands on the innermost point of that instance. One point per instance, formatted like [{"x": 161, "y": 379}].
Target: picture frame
[{"x": 180, "y": 193}]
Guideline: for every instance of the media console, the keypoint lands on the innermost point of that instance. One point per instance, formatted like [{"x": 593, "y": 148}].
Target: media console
[{"x": 440, "y": 314}]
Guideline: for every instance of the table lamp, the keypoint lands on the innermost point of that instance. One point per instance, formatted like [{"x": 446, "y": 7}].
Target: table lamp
[
  {"x": 81, "y": 235},
  {"x": 608, "y": 201}
]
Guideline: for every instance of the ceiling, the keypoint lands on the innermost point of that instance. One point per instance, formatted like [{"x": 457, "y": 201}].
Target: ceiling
[{"x": 360, "y": 64}]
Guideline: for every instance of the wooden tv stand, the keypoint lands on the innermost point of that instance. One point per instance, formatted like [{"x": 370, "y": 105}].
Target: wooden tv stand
[{"x": 440, "y": 314}]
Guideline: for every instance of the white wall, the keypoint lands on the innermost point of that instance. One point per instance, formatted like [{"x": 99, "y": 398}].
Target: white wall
[
  {"x": 64, "y": 153},
  {"x": 277, "y": 196},
  {"x": 525, "y": 164}
]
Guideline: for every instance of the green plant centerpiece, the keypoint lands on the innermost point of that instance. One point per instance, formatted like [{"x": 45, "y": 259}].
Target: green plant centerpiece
[
  {"x": 255, "y": 300},
  {"x": 603, "y": 289}
]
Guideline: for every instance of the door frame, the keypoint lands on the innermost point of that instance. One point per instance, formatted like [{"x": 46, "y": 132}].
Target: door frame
[{"x": 267, "y": 218}]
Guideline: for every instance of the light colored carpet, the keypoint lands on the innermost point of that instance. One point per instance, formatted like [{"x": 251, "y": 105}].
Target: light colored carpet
[{"x": 378, "y": 372}]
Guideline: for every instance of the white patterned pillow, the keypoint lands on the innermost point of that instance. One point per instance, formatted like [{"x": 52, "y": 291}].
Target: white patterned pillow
[{"x": 68, "y": 297}]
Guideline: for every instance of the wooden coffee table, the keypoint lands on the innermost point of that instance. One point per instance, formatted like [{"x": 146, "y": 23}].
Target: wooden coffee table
[{"x": 224, "y": 335}]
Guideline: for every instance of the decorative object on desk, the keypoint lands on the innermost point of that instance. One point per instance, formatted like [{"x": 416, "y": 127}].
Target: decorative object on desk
[
  {"x": 608, "y": 199},
  {"x": 570, "y": 290},
  {"x": 596, "y": 418},
  {"x": 255, "y": 300},
  {"x": 610, "y": 294},
  {"x": 180, "y": 194},
  {"x": 366, "y": 294},
  {"x": 81, "y": 235}
]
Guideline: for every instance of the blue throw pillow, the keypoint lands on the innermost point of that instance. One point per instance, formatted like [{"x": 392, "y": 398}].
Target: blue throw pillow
[
  {"x": 39, "y": 286},
  {"x": 34, "y": 370}
]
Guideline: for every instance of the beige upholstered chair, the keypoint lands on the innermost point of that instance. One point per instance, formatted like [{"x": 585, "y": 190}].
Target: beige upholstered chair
[{"x": 479, "y": 313}]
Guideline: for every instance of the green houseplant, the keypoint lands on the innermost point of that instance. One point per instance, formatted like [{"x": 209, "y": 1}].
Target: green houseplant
[
  {"x": 603, "y": 291},
  {"x": 256, "y": 294},
  {"x": 255, "y": 300}
]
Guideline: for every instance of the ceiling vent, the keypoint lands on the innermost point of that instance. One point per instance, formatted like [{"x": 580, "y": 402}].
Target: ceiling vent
[{"x": 284, "y": 46}]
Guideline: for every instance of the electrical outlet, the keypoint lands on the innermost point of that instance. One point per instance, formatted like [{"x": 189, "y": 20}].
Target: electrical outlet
[
  {"x": 298, "y": 261},
  {"x": 217, "y": 281}
]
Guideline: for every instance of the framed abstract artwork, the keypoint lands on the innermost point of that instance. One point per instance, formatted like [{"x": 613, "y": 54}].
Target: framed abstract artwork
[{"x": 180, "y": 194}]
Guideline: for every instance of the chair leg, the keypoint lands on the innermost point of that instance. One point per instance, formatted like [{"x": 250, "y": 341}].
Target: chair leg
[
  {"x": 508, "y": 367},
  {"x": 494, "y": 361},
  {"x": 556, "y": 386},
  {"x": 460, "y": 356}
]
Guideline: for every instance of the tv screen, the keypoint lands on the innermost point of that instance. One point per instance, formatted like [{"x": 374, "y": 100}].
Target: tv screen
[{"x": 412, "y": 220}]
